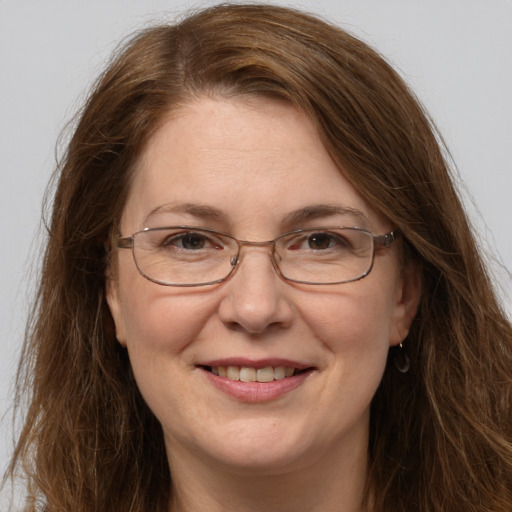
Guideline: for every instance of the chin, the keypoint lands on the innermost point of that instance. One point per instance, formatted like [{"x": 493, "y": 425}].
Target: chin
[{"x": 259, "y": 447}]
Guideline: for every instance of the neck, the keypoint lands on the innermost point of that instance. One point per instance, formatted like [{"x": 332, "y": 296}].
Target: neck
[{"x": 333, "y": 483}]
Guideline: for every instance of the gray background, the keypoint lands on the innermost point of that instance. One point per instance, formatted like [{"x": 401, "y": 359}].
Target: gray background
[{"x": 456, "y": 54}]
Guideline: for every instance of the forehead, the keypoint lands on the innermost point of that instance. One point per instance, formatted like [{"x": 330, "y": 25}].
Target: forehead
[{"x": 248, "y": 160}]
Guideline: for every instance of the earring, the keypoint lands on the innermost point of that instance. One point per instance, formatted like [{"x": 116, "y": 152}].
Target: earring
[{"x": 401, "y": 360}]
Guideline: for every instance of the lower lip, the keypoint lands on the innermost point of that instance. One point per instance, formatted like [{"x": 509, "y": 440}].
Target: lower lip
[{"x": 257, "y": 391}]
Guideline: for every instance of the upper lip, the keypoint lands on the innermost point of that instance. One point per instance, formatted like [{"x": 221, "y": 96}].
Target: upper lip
[{"x": 255, "y": 363}]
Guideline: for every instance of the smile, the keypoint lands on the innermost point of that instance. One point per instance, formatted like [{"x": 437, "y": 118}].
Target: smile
[
  {"x": 256, "y": 383},
  {"x": 250, "y": 374}
]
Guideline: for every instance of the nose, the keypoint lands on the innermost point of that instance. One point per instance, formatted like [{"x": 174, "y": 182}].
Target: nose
[{"x": 255, "y": 297}]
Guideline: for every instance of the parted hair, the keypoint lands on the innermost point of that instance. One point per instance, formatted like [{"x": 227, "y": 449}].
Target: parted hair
[{"x": 440, "y": 435}]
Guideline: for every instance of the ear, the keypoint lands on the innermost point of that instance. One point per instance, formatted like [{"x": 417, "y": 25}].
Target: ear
[
  {"x": 114, "y": 304},
  {"x": 407, "y": 299}
]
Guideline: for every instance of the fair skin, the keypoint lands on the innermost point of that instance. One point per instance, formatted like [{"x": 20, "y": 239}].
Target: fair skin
[{"x": 246, "y": 166}]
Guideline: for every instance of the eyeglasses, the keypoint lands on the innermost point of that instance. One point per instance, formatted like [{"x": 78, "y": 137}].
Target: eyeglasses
[{"x": 189, "y": 256}]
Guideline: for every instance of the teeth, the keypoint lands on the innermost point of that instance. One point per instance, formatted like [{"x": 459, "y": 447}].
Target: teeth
[
  {"x": 247, "y": 374},
  {"x": 265, "y": 374},
  {"x": 280, "y": 372},
  {"x": 233, "y": 373}
]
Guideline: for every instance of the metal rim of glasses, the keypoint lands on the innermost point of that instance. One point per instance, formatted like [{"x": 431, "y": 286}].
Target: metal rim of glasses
[{"x": 378, "y": 241}]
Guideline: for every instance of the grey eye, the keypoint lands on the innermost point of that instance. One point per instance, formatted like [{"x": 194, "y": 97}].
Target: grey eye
[
  {"x": 193, "y": 241},
  {"x": 188, "y": 241}
]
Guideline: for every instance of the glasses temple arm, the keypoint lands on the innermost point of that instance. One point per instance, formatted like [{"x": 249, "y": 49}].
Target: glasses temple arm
[
  {"x": 387, "y": 239},
  {"x": 122, "y": 243}
]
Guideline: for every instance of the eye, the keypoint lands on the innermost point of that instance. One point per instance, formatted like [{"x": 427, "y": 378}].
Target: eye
[
  {"x": 320, "y": 241},
  {"x": 191, "y": 241}
]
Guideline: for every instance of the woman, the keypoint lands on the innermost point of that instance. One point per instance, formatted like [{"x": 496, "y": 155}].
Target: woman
[{"x": 260, "y": 290}]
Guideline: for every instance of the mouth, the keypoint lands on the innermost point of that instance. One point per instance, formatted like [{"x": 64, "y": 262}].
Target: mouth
[
  {"x": 252, "y": 374},
  {"x": 256, "y": 381}
]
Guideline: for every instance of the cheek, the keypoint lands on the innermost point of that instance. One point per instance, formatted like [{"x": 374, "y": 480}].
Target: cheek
[
  {"x": 355, "y": 319},
  {"x": 161, "y": 328},
  {"x": 159, "y": 320}
]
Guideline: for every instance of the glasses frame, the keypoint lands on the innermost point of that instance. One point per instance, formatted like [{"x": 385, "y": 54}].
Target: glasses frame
[{"x": 378, "y": 241}]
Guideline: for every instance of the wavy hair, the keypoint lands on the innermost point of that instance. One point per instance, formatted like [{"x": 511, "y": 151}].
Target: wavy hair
[{"x": 440, "y": 435}]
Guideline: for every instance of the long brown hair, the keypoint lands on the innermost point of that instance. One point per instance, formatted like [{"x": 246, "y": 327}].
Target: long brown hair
[{"x": 441, "y": 435}]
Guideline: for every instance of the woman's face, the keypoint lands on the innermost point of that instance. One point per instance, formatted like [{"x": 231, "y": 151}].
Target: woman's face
[{"x": 255, "y": 169}]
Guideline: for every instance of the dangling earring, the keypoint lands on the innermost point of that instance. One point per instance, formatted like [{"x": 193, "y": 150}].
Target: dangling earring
[{"x": 401, "y": 360}]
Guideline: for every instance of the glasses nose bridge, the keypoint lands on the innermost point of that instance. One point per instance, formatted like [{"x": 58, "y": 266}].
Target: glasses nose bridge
[
  {"x": 242, "y": 243},
  {"x": 250, "y": 243}
]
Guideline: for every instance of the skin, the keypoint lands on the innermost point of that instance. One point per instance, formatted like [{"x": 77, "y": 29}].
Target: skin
[{"x": 254, "y": 161}]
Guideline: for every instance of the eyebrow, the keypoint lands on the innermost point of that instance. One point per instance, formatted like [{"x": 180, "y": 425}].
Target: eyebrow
[
  {"x": 317, "y": 211},
  {"x": 292, "y": 219},
  {"x": 195, "y": 209}
]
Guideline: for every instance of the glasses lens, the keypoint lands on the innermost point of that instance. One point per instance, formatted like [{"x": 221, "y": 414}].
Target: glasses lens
[
  {"x": 184, "y": 256},
  {"x": 325, "y": 256}
]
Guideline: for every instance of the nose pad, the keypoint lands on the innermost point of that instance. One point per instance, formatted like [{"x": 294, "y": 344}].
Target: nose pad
[{"x": 255, "y": 296}]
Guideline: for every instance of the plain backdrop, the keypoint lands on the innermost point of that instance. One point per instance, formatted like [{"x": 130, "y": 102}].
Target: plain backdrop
[{"x": 456, "y": 55}]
